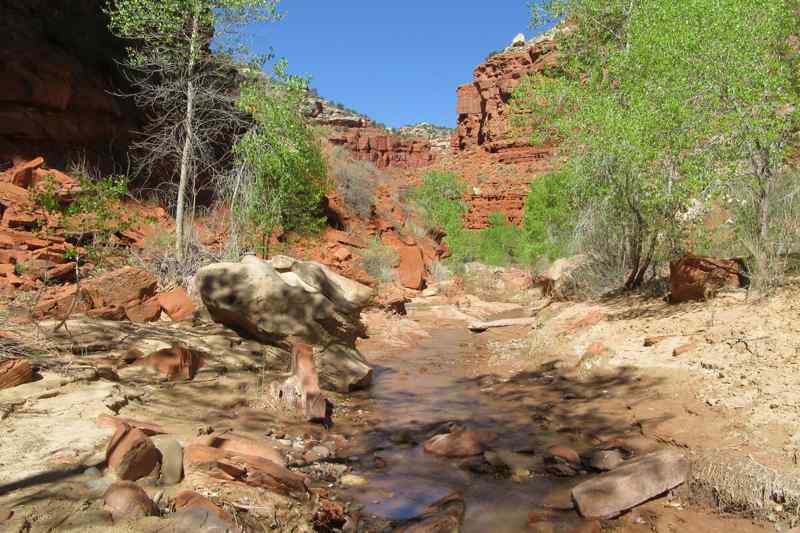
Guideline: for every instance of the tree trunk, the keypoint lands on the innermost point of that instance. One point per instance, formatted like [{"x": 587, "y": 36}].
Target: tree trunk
[{"x": 180, "y": 216}]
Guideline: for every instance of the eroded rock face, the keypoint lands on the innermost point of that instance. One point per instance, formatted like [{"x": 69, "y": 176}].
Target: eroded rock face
[
  {"x": 57, "y": 80},
  {"x": 383, "y": 148},
  {"x": 482, "y": 107},
  {"x": 280, "y": 298}
]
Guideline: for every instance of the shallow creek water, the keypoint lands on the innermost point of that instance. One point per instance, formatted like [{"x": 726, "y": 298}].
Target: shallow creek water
[{"x": 435, "y": 382}]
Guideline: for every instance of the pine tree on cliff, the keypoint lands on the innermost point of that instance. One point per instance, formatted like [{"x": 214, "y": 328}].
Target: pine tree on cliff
[{"x": 183, "y": 85}]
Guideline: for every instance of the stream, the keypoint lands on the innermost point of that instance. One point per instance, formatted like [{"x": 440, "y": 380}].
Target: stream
[{"x": 419, "y": 389}]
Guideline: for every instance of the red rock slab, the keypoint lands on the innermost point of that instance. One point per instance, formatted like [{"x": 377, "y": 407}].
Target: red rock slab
[
  {"x": 11, "y": 195},
  {"x": 63, "y": 182},
  {"x": 127, "y": 500},
  {"x": 21, "y": 174},
  {"x": 251, "y": 470},
  {"x": 18, "y": 218},
  {"x": 131, "y": 454},
  {"x": 232, "y": 443},
  {"x": 411, "y": 270},
  {"x": 609, "y": 495},
  {"x": 175, "y": 363},
  {"x": 120, "y": 287},
  {"x": 21, "y": 240},
  {"x": 177, "y": 304},
  {"x": 146, "y": 311},
  {"x": 192, "y": 500},
  {"x": 14, "y": 372},
  {"x": 698, "y": 278}
]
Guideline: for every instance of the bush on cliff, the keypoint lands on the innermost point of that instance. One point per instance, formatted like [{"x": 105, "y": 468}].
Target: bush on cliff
[{"x": 440, "y": 198}]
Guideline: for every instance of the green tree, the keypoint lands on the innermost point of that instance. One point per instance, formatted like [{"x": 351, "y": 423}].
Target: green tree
[
  {"x": 283, "y": 176},
  {"x": 658, "y": 104},
  {"x": 181, "y": 61},
  {"x": 548, "y": 220}
]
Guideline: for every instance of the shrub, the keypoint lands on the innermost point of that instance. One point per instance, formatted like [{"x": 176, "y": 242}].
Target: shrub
[
  {"x": 356, "y": 182},
  {"x": 378, "y": 260},
  {"x": 548, "y": 220},
  {"x": 284, "y": 176},
  {"x": 440, "y": 197}
]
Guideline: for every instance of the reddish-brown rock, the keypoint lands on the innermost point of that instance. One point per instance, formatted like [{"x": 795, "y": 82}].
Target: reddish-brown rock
[
  {"x": 58, "y": 90},
  {"x": 121, "y": 287},
  {"x": 695, "y": 277},
  {"x": 131, "y": 454},
  {"x": 610, "y": 494},
  {"x": 126, "y": 500},
  {"x": 249, "y": 469},
  {"x": 411, "y": 269},
  {"x": 191, "y": 500},
  {"x": 177, "y": 304},
  {"x": 300, "y": 390},
  {"x": 175, "y": 363},
  {"x": 14, "y": 372},
  {"x": 21, "y": 174},
  {"x": 146, "y": 311},
  {"x": 239, "y": 445}
]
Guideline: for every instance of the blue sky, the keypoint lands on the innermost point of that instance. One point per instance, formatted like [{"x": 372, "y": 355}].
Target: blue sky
[{"x": 397, "y": 61}]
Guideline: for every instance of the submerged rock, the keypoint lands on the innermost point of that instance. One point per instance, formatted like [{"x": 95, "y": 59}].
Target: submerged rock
[{"x": 459, "y": 443}]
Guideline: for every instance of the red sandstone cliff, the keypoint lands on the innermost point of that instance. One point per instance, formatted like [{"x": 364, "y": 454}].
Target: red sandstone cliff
[
  {"x": 384, "y": 149},
  {"x": 57, "y": 73},
  {"x": 498, "y": 164},
  {"x": 482, "y": 107}
]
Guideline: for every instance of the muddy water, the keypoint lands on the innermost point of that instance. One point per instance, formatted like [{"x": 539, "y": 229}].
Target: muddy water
[{"x": 436, "y": 382}]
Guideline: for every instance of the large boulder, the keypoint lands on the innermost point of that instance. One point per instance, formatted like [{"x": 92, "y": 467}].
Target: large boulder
[
  {"x": 280, "y": 298},
  {"x": 694, "y": 277}
]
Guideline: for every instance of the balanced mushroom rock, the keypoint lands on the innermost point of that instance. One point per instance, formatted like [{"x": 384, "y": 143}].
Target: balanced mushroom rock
[
  {"x": 280, "y": 298},
  {"x": 636, "y": 481}
]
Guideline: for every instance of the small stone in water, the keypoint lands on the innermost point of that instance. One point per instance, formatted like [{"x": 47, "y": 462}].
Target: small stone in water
[{"x": 352, "y": 480}]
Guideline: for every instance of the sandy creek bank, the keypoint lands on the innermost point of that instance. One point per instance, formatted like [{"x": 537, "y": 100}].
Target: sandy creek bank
[{"x": 429, "y": 371}]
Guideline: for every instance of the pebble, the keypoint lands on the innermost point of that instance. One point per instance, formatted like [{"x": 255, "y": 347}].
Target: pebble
[{"x": 352, "y": 480}]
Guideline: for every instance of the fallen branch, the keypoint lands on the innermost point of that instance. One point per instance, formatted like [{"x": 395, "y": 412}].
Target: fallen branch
[{"x": 478, "y": 327}]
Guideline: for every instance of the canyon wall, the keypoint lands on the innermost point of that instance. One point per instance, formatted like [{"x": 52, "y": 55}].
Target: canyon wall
[
  {"x": 358, "y": 135},
  {"x": 57, "y": 75},
  {"x": 483, "y": 105},
  {"x": 384, "y": 149},
  {"x": 498, "y": 162}
]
